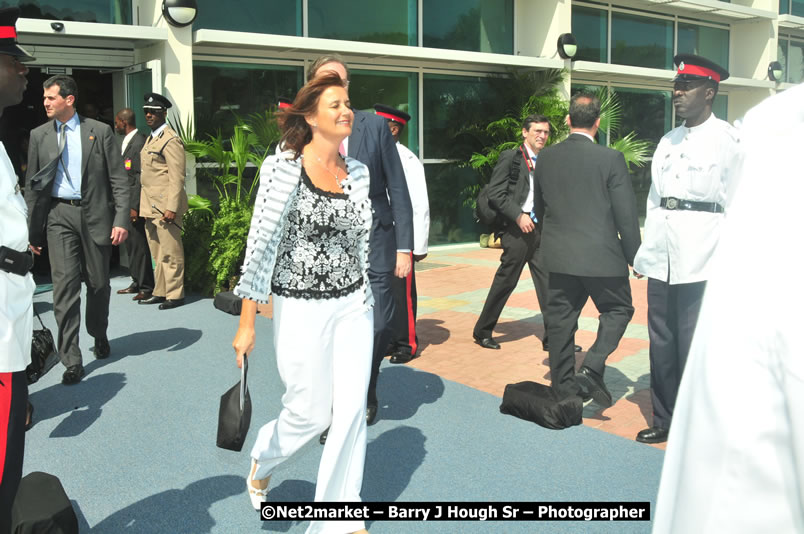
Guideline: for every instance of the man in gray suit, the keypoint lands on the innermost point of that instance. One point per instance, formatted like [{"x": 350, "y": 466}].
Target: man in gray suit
[
  {"x": 78, "y": 196},
  {"x": 590, "y": 235}
]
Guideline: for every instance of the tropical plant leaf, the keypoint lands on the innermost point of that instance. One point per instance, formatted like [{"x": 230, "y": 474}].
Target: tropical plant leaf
[{"x": 635, "y": 151}]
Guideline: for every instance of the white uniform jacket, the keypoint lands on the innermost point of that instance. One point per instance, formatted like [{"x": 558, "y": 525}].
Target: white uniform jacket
[
  {"x": 689, "y": 164},
  {"x": 417, "y": 187},
  {"x": 280, "y": 177},
  {"x": 735, "y": 457},
  {"x": 16, "y": 292}
]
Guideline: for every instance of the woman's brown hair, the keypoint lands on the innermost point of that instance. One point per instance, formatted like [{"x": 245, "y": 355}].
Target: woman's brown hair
[{"x": 296, "y": 133}]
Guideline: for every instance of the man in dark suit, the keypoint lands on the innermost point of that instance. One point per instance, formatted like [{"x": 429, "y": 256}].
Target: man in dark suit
[
  {"x": 391, "y": 238},
  {"x": 589, "y": 238},
  {"x": 511, "y": 195},
  {"x": 78, "y": 194},
  {"x": 139, "y": 256}
]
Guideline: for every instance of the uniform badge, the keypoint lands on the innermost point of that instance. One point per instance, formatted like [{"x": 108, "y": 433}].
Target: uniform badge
[
  {"x": 681, "y": 66},
  {"x": 128, "y": 164},
  {"x": 91, "y": 137}
]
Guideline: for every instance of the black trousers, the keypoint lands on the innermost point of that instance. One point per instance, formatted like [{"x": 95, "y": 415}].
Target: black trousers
[
  {"x": 139, "y": 257},
  {"x": 383, "y": 321},
  {"x": 672, "y": 315},
  {"x": 404, "y": 339},
  {"x": 519, "y": 249},
  {"x": 13, "y": 405},
  {"x": 566, "y": 297},
  {"x": 74, "y": 253}
]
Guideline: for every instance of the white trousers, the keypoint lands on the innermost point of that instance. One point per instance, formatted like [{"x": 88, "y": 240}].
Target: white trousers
[{"x": 323, "y": 353}]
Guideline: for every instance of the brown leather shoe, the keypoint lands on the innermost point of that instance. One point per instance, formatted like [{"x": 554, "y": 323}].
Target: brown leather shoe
[
  {"x": 142, "y": 295},
  {"x": 130, "y": 289}
]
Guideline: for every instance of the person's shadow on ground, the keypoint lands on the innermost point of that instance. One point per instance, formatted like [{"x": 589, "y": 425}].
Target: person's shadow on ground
[
  {"x": 83, "y": 401},
  {"x": 174, "y": 511}
]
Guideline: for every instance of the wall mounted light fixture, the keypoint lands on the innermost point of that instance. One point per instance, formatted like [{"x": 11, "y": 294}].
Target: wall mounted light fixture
[
  {"x": 567, "y": 46},
  {"x": 180, "y": 13},
  {"x": 775, "y": 71}
]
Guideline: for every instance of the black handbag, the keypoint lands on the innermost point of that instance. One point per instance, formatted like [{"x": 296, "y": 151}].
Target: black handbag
[
  {"x": 234, "y": 415},
  {"x": 43, "y": 354}
]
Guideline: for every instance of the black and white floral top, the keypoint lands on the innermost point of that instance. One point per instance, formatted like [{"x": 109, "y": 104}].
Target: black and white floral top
[{"x": 317, "y": 257}]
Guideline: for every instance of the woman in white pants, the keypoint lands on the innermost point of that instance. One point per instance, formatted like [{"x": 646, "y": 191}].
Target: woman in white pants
[{"x": 308, "y": 246}]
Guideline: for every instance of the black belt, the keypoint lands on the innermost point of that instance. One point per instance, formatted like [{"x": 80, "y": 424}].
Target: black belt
[
  {"x": 70, "y": 201},
  {"x": 15, "y": 262},
  {"x": 673, "y": 203}
]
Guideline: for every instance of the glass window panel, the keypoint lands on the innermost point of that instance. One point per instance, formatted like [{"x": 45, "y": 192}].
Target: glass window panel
[
  {"x": 450, "y": 103},
  {"x": 474, "y": 25},
  {"x": 397, "y": 89},
  {"x": 226, "y": 91},
  {"x": 450, "y": 220},
  {"x": 590, "y": 28},
  {"x": 280, "y": 17},
  {"x": 373, "y": 21},
  {"x": 795, "y": 62},
  {"x": 720, "y": 107},
  {"x": 711, "y": 43},
  {"x": 797, "y": 8},
  {"x": 784, "y": 7},
  {"x": 646, "y": 112},
  {"x": 781, "y": 54},
  {"x": 104, "y": 11},
  {"x": 641, "y": 41}
]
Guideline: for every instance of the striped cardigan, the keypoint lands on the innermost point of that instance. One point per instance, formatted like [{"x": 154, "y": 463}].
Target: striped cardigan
[{"x": 280, "y": 177}]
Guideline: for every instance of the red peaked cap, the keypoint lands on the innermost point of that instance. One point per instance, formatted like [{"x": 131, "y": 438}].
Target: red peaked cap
[
  {"x": 692, "y": 67},
  {"x": 8, "y": 35},
  {"x": 396, "y": 115}
]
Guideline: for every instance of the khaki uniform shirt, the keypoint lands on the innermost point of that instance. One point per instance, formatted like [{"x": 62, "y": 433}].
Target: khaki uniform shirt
[{"x": 163, "y": 168}]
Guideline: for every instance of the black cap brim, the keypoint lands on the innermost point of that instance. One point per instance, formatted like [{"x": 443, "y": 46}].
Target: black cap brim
[{"x": 17, "y": 51}]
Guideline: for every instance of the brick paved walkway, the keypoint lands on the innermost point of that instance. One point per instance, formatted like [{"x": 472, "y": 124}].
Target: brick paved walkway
[{"x": 452, "y": 284}]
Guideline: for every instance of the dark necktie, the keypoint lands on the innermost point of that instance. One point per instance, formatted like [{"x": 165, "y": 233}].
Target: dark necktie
[{"x": 62, "y": 146}]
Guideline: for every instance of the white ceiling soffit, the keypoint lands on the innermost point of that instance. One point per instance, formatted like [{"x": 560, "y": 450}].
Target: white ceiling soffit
[
  {"x": 724, "y": 10},
  {"x": 791, "y": 22},
  {"x": 295, "y": 48},
  {"x": 88, "y": 34},
  {"x": 604, "y": 72}
]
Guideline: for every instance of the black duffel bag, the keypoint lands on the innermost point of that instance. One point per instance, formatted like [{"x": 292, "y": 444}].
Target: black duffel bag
[
  {"x": 227, "y": 301},
  {"x": 541, "y": 404},
  {"x": 41, "y": 506}
]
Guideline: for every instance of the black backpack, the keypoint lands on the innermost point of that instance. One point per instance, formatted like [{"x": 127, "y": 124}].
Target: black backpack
[{"x": 484, "y": 213}]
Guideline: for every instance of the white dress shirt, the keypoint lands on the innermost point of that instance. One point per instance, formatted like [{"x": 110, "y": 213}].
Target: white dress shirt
[
  {"x": 735, "y": 457},
  {"x": 417, "y": 187},
  {"x": 689, "y": 164},
  {"x": 126, "y": 140}
]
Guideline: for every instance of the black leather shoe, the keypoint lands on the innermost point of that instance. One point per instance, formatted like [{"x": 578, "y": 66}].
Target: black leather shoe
[
  {"x": 152, "y": 300},
  {"x": 653, "y": 435},
  {"x": 593, "y": 385},
  {"x": 401, "y": 357},
  {"x": 169, "y": 304},
  {"x": 322, "y": 439},
  {"x": 546, "y": 347},
  {"x": 73, "y": 375},
  {"x": 102, "y": 348},
  {"x": 130, "y": 289},
  {"x": 487, "y": 342},
  {"x": 371, "y": 414}
]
